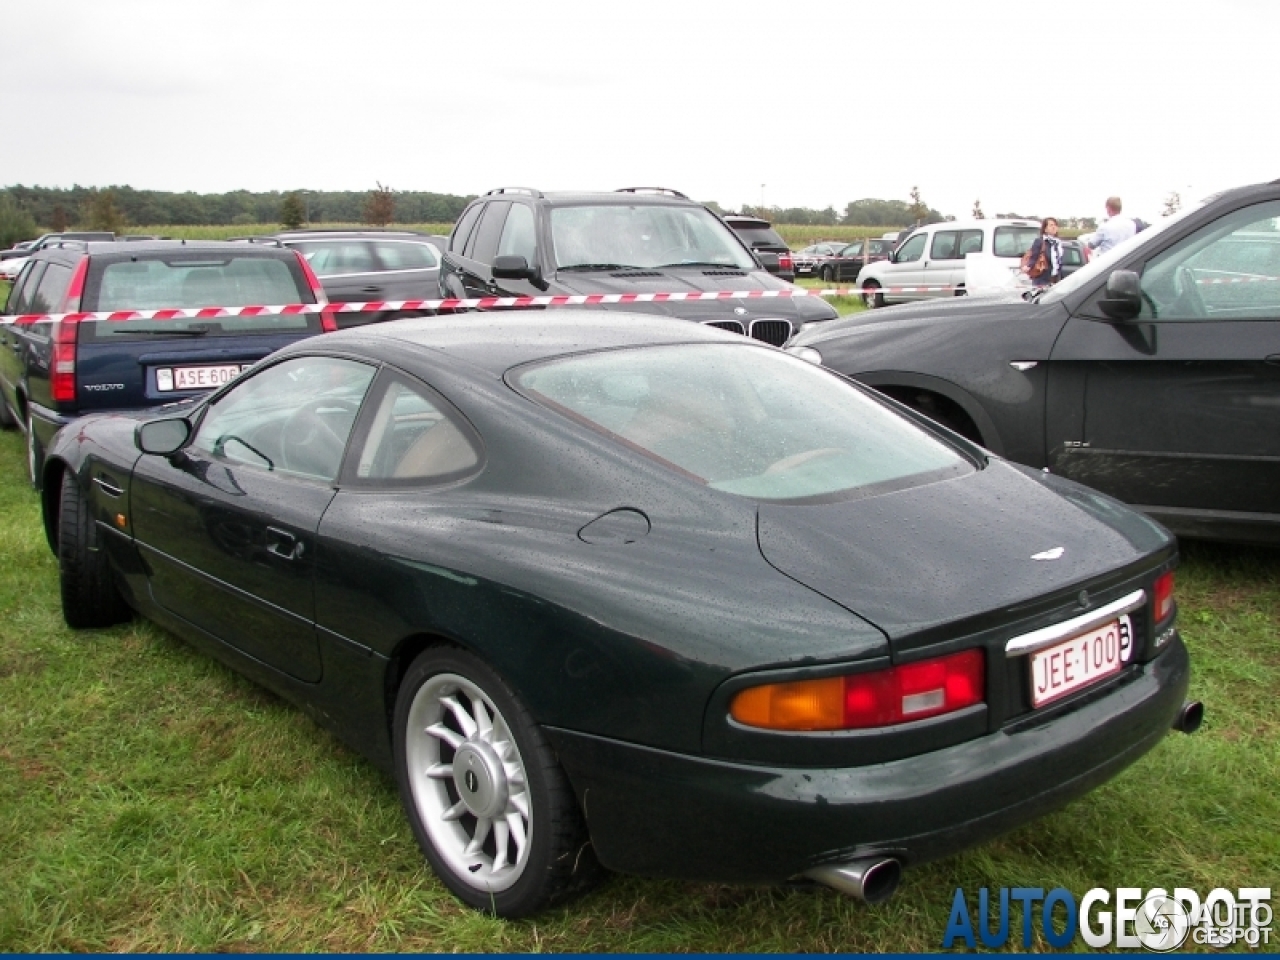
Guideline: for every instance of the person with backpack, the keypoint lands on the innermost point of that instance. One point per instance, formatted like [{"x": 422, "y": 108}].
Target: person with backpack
[{"x": 1043, "y": 262}]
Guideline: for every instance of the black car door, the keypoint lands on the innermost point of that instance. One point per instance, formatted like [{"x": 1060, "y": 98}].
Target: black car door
[
  {"x": 226, "y": 527},
  {"x": 1180, "y": 409}
]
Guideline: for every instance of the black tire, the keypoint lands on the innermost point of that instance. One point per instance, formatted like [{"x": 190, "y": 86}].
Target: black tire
[
  {"x": 828, "y": 275},
  {"x": 89, "y": 595},
  {"x": 7, "y": 420},
  {"x": 871, "y": 294},
  {"x": 456, "y": 785}
]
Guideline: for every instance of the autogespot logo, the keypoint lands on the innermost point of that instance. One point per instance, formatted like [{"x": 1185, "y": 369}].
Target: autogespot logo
[{"x": 1126, "y": 917}]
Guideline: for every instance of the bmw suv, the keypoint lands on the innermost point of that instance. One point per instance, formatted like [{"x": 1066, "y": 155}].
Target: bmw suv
[
  {"x": 55, "y": 370},
  {"x": 519, "y": 242}
]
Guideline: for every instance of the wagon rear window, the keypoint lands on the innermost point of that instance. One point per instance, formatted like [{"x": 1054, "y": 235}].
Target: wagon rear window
[{"x": 744, "y": 420}]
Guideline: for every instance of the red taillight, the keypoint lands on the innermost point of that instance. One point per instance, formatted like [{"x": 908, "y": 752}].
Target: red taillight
[
  {"x": 328, "y": 322},
  {"x": 880, "y": 698},
  {"x": 62, "y": 368},
  {"x": 785, "y": 262},
  {"x": 1163, "y": 605}
]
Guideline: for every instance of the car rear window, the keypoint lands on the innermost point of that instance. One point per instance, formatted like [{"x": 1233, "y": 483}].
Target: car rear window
[
  {"x": 189, "y": 282},
  {"x": 759, "y": 236},
  {"x": 744, "y": 420}
]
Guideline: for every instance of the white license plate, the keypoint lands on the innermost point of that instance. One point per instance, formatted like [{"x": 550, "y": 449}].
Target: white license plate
[
  {"x": 196, "y": 378},
  {"x": 1080, "y": 661}
]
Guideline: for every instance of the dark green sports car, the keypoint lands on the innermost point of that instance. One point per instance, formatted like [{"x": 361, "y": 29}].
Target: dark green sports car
[{"x": 622, "y": 590}]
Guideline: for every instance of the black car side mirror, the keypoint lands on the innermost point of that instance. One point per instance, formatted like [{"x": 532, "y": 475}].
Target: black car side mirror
[
  {"x": 768, "y": 260},
  {"x": 511, "y": 266},
  {"x": 1124, "y": 296},
  {"x": 163, "y": 437}
]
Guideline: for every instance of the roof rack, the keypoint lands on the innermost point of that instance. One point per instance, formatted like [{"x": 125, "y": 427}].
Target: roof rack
[
  {"x": 350, "y": 230},
  {"x": 536, "y": 194},
  {"x": 263, "y": 240},
  {"x": 664, "y": 190}
]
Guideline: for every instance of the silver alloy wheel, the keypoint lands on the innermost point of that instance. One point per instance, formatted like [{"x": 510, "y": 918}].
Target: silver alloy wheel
[{"x": 468, "y": 782}]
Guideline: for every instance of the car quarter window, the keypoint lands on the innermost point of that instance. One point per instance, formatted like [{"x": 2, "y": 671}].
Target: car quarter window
[
  {"x": 413, "y": 435},
  {"x": 912, "y": 250},
  {"x": 518, "y": 238},
  {"x": 20, "y": 297},
  {"x": 293, "y": 417},
  {"x": 1226, "y": 270},
  {"x": 484, "y": 245},
  {"x": 52, "y": 289},
  {"x": 332, "y": 258},
  {"x": 462, "y": 232}
]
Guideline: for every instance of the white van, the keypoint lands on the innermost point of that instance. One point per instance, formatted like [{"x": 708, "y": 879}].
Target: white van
[{"x": 934, "y": 255}]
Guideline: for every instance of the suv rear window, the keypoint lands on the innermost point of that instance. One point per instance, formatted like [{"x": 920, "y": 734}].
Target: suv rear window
[
  {"x": 762, "y": 235},
  {"x": 209, "y": 281}
]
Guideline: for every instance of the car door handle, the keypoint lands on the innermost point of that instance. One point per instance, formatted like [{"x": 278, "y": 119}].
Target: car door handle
[{"x": 283, "y": 544}]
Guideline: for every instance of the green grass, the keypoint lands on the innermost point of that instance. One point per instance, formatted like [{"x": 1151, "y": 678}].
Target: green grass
[{"x": 150, "y": 799}]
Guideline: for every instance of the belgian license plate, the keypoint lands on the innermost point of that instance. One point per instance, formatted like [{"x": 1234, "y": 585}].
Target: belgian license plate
[
  {"x": 196, "y": 378},
  {"x": 1083, "y": 660}
]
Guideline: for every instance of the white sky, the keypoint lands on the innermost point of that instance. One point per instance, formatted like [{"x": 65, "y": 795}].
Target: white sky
[{"x": 1039, "y": 107}]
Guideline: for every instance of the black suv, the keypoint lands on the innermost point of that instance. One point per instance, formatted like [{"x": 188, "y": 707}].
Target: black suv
[
  {"x": 362, "y": 265},
  {"x": 1152, "y": 374},
  {"x": 521, "y": 242},
  {"x": 760, "y": 237},
  {"x": 53, "y": 371}
]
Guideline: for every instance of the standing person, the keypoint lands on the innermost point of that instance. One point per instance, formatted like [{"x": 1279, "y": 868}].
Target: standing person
[
  {"x": 1114, "y": 230},
  {"x": 1048, "y": 244}
]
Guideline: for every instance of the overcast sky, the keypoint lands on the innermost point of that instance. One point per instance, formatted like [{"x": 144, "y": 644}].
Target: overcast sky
[{"x": 1035, "y": 107}]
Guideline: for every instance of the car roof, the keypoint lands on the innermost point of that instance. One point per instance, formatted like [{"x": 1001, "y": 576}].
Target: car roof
[
  {"x": 341, "y": 234},
  {"x": 497, "y": 341},
  {"x": 101, "y": 248}
]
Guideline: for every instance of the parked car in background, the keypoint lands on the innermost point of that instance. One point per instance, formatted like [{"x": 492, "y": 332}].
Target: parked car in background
[
  {"x": 849, "y": 260},
  {"x": 809, "y": 260},
  {"x": 1152, "y": 374},
  {"x": 759, "y": 235},
  {"x": 934, "y": 255},
  {"x": 356, "y": 266},
  {"x": 608, "y": 588},
  {"x": 54, "y": 371},
  {"x": 514, "y": 241},
  {"x": 1074, "y": 256},
  {"x": 31, "y": 246}
]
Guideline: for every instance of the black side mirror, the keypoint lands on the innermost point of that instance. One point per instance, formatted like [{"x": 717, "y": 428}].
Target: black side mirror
[
  {"x": 769, "y": 260},
  {"x": 1123, "y": 301},
  {"x": 511, "y": 267},
  {"x": 163, "y": 437}
]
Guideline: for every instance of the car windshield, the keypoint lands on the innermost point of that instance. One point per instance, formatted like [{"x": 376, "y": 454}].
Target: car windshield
[
  {"x": 1103, "y": 263},
  {"x": 211, "y": 281},
  {"x": 744, "y": 419},
  {"x": 645, "y": 235}
]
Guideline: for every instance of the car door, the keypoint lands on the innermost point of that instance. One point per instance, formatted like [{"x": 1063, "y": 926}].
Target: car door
[
  {"x": 905, "y": 268},
  {"x": 226, "y": 527},
  {"x": 1180, "y": 408},
  {"x": 14, "y": 337},
  {"x": 850, "y": 261},
  {"x": 347, "y": 269},
  {"x": 943, "y": 266}
]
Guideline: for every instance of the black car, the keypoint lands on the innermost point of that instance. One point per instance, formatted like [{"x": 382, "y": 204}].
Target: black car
[
  {"x": 1152, "y": 374},
  {"x": 848, "y": 260},
  {"x": 356, "y": 266},
  {"x": 520, "y": 242},
  {"x": 809, "y": 260},
  {"x": 759, "y": 236},
  {"x": 624, "y": 589},
  {"x": 55, "y": 370}
]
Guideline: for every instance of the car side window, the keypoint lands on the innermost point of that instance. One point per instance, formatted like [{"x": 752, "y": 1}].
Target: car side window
[
  {"x": 912, "y": 250},
  {"x": 51, "y": 289},
  {"x": 294, "y": 417},
  {"x": 852, "y": 250},
  {"x": 518, "y": 238},
  {"x": 484, "y": 245},
  {"x": 970, "y": 242},
  {"x": 462, "y": 232},
  {"x": 945, "y": 245},
  {"x": 20, "y": 296},
  {"x": 332, "y": 258},
  {"x": 403, "y": 255},
  {"x": 414, "y": 436},
  {"x": 1227, "y": 270}
]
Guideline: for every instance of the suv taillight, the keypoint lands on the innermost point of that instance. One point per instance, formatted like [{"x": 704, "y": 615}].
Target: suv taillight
[
  {"x": 328, "y": 322},
  {"x": 785, "y": 262},
  {"x": 62, "y": 367}
]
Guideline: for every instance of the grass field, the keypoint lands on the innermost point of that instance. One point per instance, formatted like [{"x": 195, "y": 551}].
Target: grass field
[{"x": 152, "y": 800}]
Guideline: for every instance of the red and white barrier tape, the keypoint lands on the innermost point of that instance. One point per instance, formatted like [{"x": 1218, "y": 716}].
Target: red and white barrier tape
[{"x": 481, "y": 303}]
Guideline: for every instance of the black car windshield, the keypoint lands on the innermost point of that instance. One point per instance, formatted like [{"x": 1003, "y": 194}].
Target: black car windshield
[
  {"x": 1105, "y": 263},
  {"x": 644, "y": 236},
  {"x": 222, "y": 281},
  {"x": 744, "y": 419}
]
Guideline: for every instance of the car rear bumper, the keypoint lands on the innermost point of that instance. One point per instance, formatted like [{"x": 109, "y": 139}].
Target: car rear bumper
[{"x": 656, "y": 813}]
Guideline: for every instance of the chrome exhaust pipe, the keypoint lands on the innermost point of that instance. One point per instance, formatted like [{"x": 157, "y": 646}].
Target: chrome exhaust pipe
[
  {"x": 1189, "y": 717},
  {"x": 872, "y": 880}
]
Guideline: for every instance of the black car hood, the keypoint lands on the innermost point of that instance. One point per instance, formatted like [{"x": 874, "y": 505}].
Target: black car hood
[
  {"x": 953, "y": 556},
  {"x": 931, "y": 313},
  {"x": 697, "y": 280}
]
